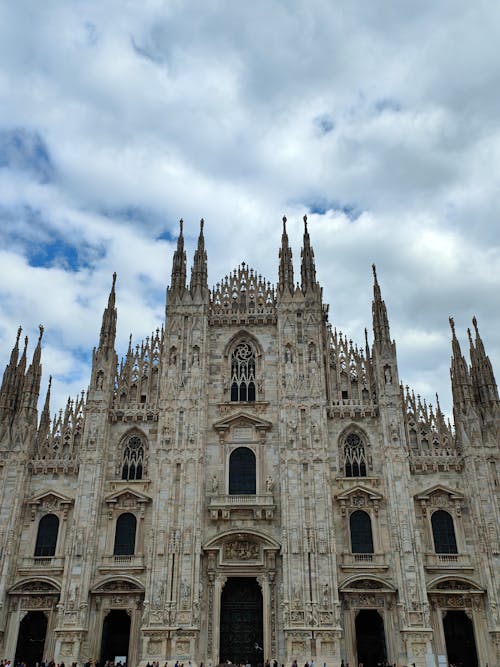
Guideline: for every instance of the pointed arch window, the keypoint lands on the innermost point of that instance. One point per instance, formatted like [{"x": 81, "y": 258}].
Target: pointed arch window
[
  {"x": 242, "y": 472},
  {"x": 443, "y": 532},
  {"x": 46, "y": 539},
  {"x": 125, "y": 535},
  {"x": 361, "y": 533},
  {"x": 133, "y": 458},
  {"x": 243, "y": 373},
  {"x": 354, "y": 456}
]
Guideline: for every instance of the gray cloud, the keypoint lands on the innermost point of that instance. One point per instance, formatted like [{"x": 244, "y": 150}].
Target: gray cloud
[{"x": 382, "y": 122}]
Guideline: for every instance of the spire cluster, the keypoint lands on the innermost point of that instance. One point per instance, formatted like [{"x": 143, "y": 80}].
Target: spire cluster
[
  {"x": 473, "y": 386},
  {"x": 20, "y": 387}
]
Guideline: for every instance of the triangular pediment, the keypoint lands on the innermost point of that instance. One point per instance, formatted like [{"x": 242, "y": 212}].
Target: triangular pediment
[
  {"x": 50, "y": 496},
  {"x": 127, "y": 493},
  {"x": 242, "y": 419},
  {"x": 357, "y": 490},
  {"x": 440, "y": 489}
]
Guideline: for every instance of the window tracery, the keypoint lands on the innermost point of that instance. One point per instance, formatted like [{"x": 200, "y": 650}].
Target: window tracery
[
  {"x": 243, "y": 373},
  {"x": 133, "y": 458},
  {"x": 354, "y": 456}
]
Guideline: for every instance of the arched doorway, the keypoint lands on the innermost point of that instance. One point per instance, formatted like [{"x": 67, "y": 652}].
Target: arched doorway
[
  {"x": 31, "y": 638},
  {"x": 115, "y": 635},
  {"x": 459, "y": 636},
  {"x": 370, "y": 638},
  {"x": 241, "y": 631}
]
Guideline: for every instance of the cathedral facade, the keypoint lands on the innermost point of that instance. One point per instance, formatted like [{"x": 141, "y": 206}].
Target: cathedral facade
[{"x": 247, "y": 484}]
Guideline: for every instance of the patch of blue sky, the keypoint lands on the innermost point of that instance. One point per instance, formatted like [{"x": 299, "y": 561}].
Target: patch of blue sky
[
  {"x": 166, "y": 235},
  {"x": 321, "y": 206},
  {"x": 22, "y": 149},
  {"x": 55, "y": 250},
  {"x": 152, "y": 294}
]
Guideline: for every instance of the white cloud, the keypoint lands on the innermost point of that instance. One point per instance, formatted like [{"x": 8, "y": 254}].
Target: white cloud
[{"x": 386, "y": 123}]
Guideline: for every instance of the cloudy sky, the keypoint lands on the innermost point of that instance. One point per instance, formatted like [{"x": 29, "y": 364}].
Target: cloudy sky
[{"x": 380, "y": 120}]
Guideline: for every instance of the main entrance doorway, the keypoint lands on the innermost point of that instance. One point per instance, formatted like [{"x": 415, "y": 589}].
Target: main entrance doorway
[
  {"x": 31, "y": 638},
  {"x": 241, "y": 633},
  {"x": 459, "y": 636},
  {"x": 370, "y": 638},
  {"x": 115, "y": 635}
]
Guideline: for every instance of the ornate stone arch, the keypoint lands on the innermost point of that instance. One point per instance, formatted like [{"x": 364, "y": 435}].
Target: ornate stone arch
[
  {"x": 355, "y": 452},
  {"x": 453, "y": 582},
  {"x": 35, "y": 594},
  {"x": 243, "y": 368},
  {"x": 364, "y": 582},
  {"x": 123, "y": 583},
  {"x": 132, "y": 455},
  {"x": 456, "y": 593}
]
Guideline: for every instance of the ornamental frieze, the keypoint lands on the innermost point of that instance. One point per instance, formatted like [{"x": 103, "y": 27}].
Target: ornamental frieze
[{"x": 241, "y": 550}]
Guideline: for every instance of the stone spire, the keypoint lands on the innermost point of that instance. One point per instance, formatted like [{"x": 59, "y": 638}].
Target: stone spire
[
  {"x": 199, "y": 277},
  {"x": 483, "y": 380},
  {"x": 31, "y": 384},
  {"x": 104, "y": 361},
  {"x": 285, "y": 280},
  {"x": 44, "y": 426},
  {"x": 460, "y": 378},
  {"x": 178, "y": 282},
  {"x": 307, "y": 268},
  {"x": 108, "y": 326},
  {"x": 381, "y": 331},
  {"x": 9, "y": 386}
]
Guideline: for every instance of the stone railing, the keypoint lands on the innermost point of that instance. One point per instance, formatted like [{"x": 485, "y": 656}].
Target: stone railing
[
  {"x": 50, "y": 563},
  {"x": 259, "y": 507},
  {"x": 448, "y": 562},
  {"x": 128, "y": 562},
  {"x": 364, "y": 561}
]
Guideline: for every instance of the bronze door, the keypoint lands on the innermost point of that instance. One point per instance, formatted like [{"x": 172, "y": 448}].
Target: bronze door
[{"x": 241, "y": 633}]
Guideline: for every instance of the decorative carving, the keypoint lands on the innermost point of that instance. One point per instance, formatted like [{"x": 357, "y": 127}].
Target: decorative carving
[{"x": 241, "y": 550}]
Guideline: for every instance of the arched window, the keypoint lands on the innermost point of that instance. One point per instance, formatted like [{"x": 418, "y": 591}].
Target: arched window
[
  {"x": 354, "y": 456},
  {"x": 133, "y": 458},
  {"x": 125, "y": 535},
  {"x": 443, "y": 532},
  {"x": 46, "y": 538},
  {"x": 361, "y": 533},
  {"x": 242, "y": 472},
  {"x": 243, "y": 373}
]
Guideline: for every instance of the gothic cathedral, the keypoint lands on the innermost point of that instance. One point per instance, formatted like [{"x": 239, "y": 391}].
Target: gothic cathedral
[{"x": 249, "y": 485}]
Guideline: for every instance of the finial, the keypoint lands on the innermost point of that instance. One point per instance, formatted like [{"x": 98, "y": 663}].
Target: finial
[
  {"x": 452, "y": 324},
  {"x": 202, "y": 222},
  {"x": 25, "y": 343},
  {"x": 305, "y": 222},
  {"x": 50, "y": 382},
  {"x": 284, "y": 223},
  {"x": 181, "y": 225},
  {"x": 18, "y": 334},
  {"x": 474, "y": 322},
  {"x": 41, "y": 329},
  {"x": 114, "y": 280},
  {"x": 374, "y": 269}
]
